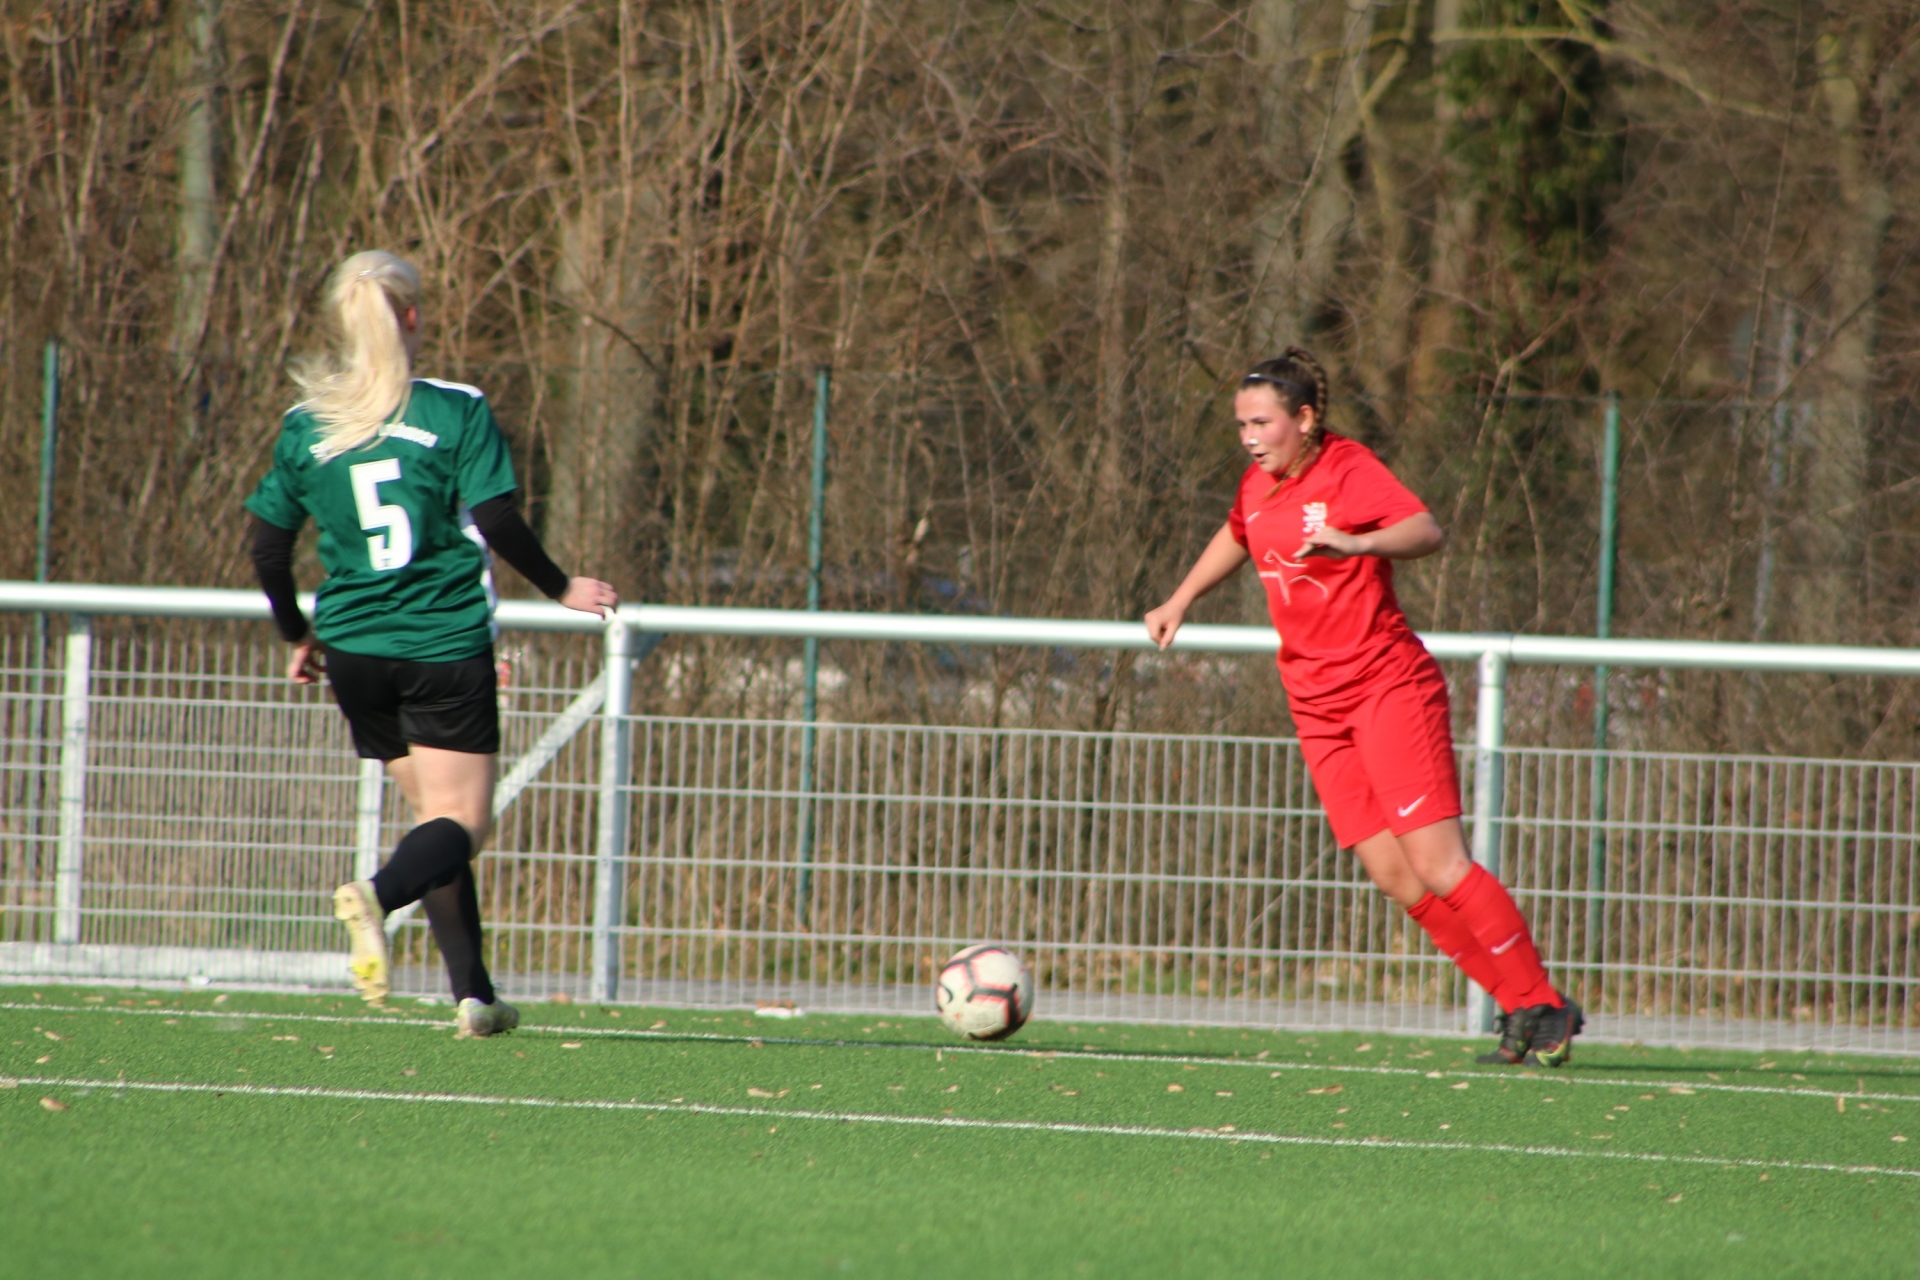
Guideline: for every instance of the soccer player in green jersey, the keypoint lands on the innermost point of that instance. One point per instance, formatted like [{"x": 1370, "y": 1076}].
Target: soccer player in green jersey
[{"x": 409, "y": 482}]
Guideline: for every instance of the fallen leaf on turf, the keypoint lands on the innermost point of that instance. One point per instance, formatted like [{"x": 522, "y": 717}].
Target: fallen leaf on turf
[
  {"x": 409, "y": 1071},
  {"x": 8, "y": 1082},
  {"x": 1329, "y": 1089},
  {"x": 656, "y": 1026},
  {"x": 1679, "y": 1089},
  {"x": 560, "y": 997},
  {"x": 1363, "y": 1048},
  {"x": 220, "y": 999},
  {"x": 286, "y": 1037},
  {"x": 1675, "y": 1197},
  {"x": 1898, "y": 1137},
  {"x": 1176, "y": 1088},
  {"x": 761, "y": 1093},
  {"x": 1223, "y": 1093},
  {"x": 1226, "y": 1128},
  {"x": 571, "y": 1044},
  {"x": 1462, "y": 1085},
  {"x": 53, "y": 1104},
  {"x": 323, "y": 1048},
  {"x": 952, "y": 1088},
  {"x": 1436, "y": 1075},
  {"x": 53, "y": 1035},
  {"x": 45, "y": 1057},
  {"x": 1263, "y": 1053}
]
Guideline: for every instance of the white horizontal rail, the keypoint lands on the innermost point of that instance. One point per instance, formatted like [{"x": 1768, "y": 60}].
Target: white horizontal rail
[{"x": 532, "y": 615}]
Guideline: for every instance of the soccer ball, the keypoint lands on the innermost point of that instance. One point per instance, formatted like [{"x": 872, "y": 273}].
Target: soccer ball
[{"x": 984, "y": 993}]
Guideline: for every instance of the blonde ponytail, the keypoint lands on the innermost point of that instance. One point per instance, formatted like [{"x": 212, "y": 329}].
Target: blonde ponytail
[{"x": 364, "y": 377}]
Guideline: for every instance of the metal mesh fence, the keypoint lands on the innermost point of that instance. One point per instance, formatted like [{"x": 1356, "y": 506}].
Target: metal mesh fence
[{"x": 1686, "y": 898}]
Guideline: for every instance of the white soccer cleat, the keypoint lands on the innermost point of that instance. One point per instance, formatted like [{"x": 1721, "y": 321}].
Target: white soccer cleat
[
  {"x": 475, "y": 1020},
  {"x": 356, "y": 906}
]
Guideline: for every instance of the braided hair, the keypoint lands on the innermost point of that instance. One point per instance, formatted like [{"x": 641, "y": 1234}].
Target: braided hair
[{"x": 1300, "y": 383}]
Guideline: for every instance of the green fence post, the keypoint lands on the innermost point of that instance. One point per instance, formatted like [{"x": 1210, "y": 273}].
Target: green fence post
[
  {"x": 810, "y": 693},
  {"x": 1603, "y": 628}
]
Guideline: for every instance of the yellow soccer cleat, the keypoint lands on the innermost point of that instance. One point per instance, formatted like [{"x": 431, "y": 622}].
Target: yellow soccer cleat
[{"x": 356, "y": 906}]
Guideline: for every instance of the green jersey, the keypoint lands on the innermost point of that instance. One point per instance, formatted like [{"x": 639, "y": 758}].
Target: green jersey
[{"x": 408, "y": 575}]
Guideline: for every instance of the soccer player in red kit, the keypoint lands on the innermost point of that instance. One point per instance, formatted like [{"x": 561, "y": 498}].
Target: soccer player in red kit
[{"x": 1323, "y": 519}]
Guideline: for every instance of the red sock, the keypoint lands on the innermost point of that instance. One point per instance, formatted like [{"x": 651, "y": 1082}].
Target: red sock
[
  {"x": 1484, "y": 907},
  {"x": 1450, "y": 933}
]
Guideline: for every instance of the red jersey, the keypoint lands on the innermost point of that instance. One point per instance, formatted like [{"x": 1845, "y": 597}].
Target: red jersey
[{"x": 1340, "y": 625}]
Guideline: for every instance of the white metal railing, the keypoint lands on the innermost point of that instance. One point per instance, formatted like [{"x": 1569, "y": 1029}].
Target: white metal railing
[{"x": 624, "y": 797}]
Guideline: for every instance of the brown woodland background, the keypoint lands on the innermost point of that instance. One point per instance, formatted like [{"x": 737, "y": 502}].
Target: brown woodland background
[{"x": 1037, "y": 243}]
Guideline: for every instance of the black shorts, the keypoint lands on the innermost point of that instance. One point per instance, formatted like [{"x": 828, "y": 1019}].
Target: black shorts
[{"x": 390, "y": 703}]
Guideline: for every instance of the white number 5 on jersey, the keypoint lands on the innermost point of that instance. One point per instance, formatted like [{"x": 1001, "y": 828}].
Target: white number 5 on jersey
[{"x": 393, "y": 548}]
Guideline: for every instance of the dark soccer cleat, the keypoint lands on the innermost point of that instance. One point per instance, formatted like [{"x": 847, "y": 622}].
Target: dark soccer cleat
[
  {"x": 1553, "y": 1033},
  {"x": 1516, "y": 1035}
]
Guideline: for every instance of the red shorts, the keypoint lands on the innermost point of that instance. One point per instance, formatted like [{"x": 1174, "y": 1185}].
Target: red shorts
[{"x": 1382, "y": 757}]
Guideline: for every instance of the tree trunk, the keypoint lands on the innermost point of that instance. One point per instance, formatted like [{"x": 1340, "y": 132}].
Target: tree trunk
[
  {"x": 1455, "y": 223},
  {"x": 1830, "y": 595},
  {"x": 1306, "y": 126},
  {"x": 1380, "y": 364},
  {"x": 197, "y": 223},
  {"x": 1115, "y": 547}
]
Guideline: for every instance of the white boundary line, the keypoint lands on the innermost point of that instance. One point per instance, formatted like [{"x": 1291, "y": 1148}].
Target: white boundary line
[
  {"x": 942, "y": 1122},
  {"x": 1087, "y": 1055}
]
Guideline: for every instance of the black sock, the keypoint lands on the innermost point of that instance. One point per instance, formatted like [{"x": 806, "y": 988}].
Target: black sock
[
  {"x": 432, "y": 854},
  {"x": 454, "y": 912}
]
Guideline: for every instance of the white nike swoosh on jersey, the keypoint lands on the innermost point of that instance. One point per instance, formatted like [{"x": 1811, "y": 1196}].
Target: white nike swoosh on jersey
[
  {"x": 1415, "y": 805},
  {"x": 1505, "y": 946}
]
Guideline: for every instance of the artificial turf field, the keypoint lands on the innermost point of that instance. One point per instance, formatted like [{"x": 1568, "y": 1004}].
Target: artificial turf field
[{"x": 166, "y": 1134}]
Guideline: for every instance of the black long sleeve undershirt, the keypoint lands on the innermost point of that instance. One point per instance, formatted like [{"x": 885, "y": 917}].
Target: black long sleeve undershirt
[
  {"x": 273, "y": 562},
  {"x": 499, "y": 522}
]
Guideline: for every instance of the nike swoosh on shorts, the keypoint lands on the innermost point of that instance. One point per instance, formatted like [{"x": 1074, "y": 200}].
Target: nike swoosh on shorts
[{"x": 1415, "y": 805}]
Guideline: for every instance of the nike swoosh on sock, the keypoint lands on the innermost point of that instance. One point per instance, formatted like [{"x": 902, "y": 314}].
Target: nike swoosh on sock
[{"x": 1503, "y": 947}]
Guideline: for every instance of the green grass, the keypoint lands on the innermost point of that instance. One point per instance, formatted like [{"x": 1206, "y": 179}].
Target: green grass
[{"x": 1430, "y": 1181}]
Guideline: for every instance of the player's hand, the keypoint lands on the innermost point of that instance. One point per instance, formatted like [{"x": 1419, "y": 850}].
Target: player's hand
[
  {"x": 1164, "y": 622},
  {"x": 304, "y": 664},
  {"x": 1331, "y": 544},
  {"x": 590, "y": 595}
]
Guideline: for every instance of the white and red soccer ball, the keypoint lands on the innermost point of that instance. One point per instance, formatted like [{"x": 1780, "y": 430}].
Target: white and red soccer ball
[{"x": 984, "y": 993}]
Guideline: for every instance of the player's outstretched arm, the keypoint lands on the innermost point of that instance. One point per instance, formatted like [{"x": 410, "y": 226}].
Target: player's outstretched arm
[
  {"x": 1223, "y": 556},
  {"x": 500, "y": 523},
  {"x": 1410, "y": 539}
]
